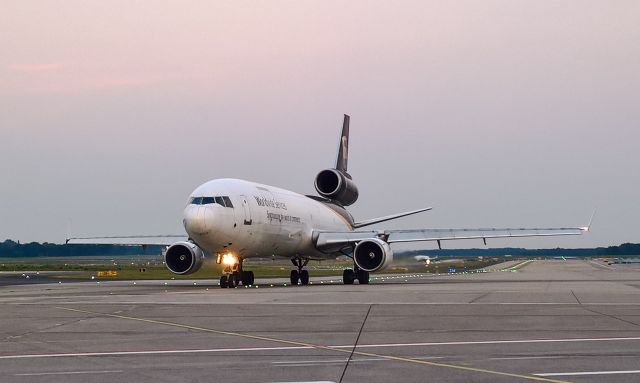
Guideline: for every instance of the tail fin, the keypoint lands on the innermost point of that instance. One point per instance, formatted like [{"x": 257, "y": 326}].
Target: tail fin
[{"x": 343, "y": 146}]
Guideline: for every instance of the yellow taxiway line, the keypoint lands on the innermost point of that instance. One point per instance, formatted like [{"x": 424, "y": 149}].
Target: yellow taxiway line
[{"x": 320, "y": 347}]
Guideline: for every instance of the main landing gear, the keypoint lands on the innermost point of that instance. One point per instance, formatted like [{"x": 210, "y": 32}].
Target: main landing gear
[
  {"x": 349, "y": 276},
  {"x": 233, "y": 274},
  {"x": 299, "y": 275}
]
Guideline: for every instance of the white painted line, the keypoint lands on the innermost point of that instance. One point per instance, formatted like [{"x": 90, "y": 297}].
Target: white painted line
[
  {"x": 334, "y": 361},
  {"x": 69, "y": 373},
  {"x": 589, "y": 373},
  {"x": 152, "y": 352},
  {"x": 318, "y": 381},
  {"x": 178, "y": 303},
  {"x": 360, "y": 346},
  {"x": 529, "y": 357},
  {"x": 389, "y": 303},
  {"x": 567, "y": 340},
  {"x": 310, "y": 361}
]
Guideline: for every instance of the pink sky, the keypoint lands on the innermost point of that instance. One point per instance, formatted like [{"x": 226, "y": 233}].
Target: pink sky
[{"x": 498, "y": 113}]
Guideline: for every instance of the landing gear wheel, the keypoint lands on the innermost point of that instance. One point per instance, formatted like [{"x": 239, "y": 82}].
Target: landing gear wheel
[
  {"x": 237, "y": 278},
  {"x": 363, "y": 277},
  {"x": 295, "y": 276},
  {"x": 224, "y": 281},
  {"x": 304, "y": 277},
  {"x": 348, "y": 276},
  {"x": 247, "y": 278},
  {"x": 231, "y": 281}
]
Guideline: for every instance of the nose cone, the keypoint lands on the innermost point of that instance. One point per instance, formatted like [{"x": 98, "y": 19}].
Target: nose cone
[{"x": 197, "y": 219}]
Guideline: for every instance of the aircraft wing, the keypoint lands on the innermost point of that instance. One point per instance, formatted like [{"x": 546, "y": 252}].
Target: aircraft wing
[
  {"x": 131, "y": 240},
  {"x": 452, "y": 234},
  {"x": 335, "y": 241}
]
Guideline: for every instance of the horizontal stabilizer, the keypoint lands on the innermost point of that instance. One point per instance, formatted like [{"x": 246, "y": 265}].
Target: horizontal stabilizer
[{"x": 388, "y": 218}]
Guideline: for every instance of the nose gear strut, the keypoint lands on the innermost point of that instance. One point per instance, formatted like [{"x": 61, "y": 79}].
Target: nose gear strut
[
  {"x": 233, "y": 275},
  {"x": 299, "y": 275}
]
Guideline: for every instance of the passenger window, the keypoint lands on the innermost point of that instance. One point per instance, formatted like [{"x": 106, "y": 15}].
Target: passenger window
[
  {"x": 220, "y": 201},
  {"x": 227, "y": 202}
]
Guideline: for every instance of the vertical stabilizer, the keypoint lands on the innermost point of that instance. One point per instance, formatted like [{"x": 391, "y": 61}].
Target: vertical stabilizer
[{"x": 343, "y": 146}]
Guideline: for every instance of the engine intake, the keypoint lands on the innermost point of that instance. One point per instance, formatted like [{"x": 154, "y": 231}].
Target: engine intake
[
  {"x": 184, "y": 258},
  {"x": 372, "y": 254},
  {"x": 336, "y": 185}
]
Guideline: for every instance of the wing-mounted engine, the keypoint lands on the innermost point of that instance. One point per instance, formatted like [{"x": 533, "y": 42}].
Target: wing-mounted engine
[
  {"x": 336, "y": 185},
  {"x": 184, "y": 258},
  {"x": 372, "y": 254}
]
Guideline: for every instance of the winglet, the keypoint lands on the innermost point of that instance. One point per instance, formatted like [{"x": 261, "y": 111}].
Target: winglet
[
  {"x": 343, "y": 146},
  {"x": 588, "y": 227}
]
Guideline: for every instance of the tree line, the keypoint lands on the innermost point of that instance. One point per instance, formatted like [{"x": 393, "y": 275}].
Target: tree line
[{"x": 11, "y": 249}]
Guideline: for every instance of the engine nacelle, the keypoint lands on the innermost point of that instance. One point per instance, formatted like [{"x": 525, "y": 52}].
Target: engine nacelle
[
  {"x": 372, "y": 254},
  {"x": 184, "y": 258},
  {"x": 336, "y": 185}
]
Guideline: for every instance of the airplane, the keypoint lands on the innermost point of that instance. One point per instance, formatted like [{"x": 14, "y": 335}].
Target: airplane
[{"x": 233, "y": 220}]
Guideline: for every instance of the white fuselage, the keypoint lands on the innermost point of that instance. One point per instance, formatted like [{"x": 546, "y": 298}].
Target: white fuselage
[{"x": 263, "y": 220}]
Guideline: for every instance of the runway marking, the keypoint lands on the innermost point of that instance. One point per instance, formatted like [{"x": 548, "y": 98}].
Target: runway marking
[
  {"x": 320, "y": 347},
  {"x": 151, "y": 352},
  {"x": 307, "y": 363},
  {"x": 517, "y": 266},
  {"x": 566, "y": 340},
  {"x": 589, "y": 373},
  {"x": 527, "y": 357},
  {"x": 360, "y": 346},
  {"x": 69, "y": 373},
  {"x": 179, "y": 303}
]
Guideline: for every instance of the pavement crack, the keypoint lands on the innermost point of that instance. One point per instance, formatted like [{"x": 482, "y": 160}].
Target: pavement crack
[
  {"x": 355, "y": 344},
  {"x": 612, "y": 317},
  {"x": 480, "y": 297},
  {"x": 576, "y": 298}
]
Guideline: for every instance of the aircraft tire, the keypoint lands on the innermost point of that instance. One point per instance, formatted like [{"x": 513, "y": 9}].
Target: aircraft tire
[
  {"x": 348, "y": 276},
  {"x": 231, "y": 282},
  {"x": 304, "y": 277},
  {"x": 295, "y": 277},
  {"x": 237, "y": 278},
  {"x": 224, "y": 282},
  {"x": 247, "y": 278},
  {"x": 363, "y": 277}
]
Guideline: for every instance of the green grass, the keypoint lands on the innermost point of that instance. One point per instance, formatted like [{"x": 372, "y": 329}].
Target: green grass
[{"x": 130, "y": 268}]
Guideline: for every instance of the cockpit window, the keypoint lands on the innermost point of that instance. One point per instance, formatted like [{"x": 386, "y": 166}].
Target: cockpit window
[
  {"x": 222, "y": 201},
  {"x": 208, "y": 200}
]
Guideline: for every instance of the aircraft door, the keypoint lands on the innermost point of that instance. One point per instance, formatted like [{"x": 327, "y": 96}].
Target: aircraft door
[{"x": 246, "y": 210}]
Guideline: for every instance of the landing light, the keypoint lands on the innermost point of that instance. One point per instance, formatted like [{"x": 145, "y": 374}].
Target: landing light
[{"x": 229, "y": 259}]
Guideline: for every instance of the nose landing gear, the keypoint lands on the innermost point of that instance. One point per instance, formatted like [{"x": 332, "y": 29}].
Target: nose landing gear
[
  {"x": 300, "y": 275},
  {"x": 233, "y": 274}
]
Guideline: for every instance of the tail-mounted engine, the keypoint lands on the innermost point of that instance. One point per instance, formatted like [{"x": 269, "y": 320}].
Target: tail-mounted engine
[
  {"x": 184, "y": 258},
  {"x": 336, "y": 185},
  {"x": 372, "y": 254}
]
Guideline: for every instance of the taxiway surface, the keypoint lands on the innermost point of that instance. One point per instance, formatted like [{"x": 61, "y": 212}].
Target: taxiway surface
[{"x": 545, "y": 321}]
